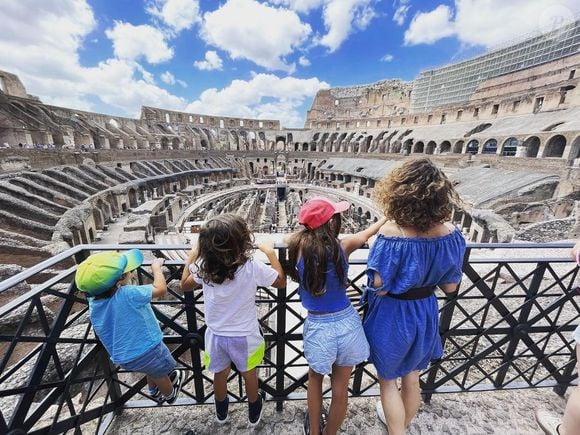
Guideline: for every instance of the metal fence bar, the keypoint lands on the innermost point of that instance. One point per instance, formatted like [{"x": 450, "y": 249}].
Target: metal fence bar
[{"x": 525, "y": 311}]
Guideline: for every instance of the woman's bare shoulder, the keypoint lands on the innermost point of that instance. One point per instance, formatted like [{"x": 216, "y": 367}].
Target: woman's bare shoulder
[{"x": 390, "y": 229}]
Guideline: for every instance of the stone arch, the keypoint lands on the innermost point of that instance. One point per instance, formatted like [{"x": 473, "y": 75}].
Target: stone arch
[
  {"x": 472, "y": 147},
  {"x": 555, "y": 146},
  {"x": 280, "y": 143},
  {"x": 98, "y": 217},
  {"x": 458, "y": 147},
  {"x": 339, "y": 142},
  {"x": 408, "y": 146},
  {"x": 419, "y": 147},
  {"x": 532, "y": 145},
  {"x": 445, "y": 147},
  {"x": 164, "y": 143},
  {"x": 575, "y": 150},
  {"x": 509, "y": 147},
  {"x": 396, "y": 147},
  {"x": 367, "y": 144},
  {"x": 430, "y": 149},
  {"x": 490, "y": 147},
  {"x": 261, "y": 140},
  {"x": 176, "y": 143},
  {"x": 132, "y": 194},
  {"x": 236, "y": 141}
]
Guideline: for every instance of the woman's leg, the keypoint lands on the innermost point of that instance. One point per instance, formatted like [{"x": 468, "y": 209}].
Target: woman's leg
[
  {"x": 337, "y": 411},
  {"x": 411, "y": 394},
  {"x": 220, "y": 384},
  {"x": 251, "y": 381},
  {"x": 314, "y": 398},
  {"x": 393, "y": 406},
  {"x": 571, "y": 421}
]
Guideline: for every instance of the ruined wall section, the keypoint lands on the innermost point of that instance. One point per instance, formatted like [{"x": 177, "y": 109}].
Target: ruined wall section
[
  {"x": 10, "y": 84},
  {"x": 339, "y": 105}
]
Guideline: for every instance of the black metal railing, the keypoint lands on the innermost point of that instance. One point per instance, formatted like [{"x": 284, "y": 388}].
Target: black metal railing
[{"x": 509, "y": 326}]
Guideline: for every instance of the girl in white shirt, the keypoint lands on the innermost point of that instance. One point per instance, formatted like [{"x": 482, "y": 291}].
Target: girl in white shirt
[{"x": 223, "y": 266}]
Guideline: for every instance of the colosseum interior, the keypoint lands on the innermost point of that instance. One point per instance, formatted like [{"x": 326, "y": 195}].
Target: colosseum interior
[{"x": 509, "y": 138}]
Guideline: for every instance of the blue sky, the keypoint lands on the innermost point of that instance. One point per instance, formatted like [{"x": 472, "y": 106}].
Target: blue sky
[{"x": 252, "y": 58}]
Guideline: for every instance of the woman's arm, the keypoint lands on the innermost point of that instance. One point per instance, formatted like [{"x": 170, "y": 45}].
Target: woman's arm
[
  {"x": 187, "y": 283},
  {"x": 353, "y": 242}
]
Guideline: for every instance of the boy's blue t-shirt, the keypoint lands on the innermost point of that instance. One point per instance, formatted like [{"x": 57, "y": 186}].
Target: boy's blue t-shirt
[{"x": 125, "y": 323}]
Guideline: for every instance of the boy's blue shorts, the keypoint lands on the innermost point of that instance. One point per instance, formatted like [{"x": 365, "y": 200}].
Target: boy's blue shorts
[
  {"x": 334, "y": 338},
  {"x": 156, "y": 362}
]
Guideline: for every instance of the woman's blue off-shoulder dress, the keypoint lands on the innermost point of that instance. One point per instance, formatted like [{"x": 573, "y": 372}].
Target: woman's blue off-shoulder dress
[{"x": 404, "y": 334}]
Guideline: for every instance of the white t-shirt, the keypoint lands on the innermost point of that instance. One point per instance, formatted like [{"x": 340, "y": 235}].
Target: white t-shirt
[{"x": 230, "y": 307}]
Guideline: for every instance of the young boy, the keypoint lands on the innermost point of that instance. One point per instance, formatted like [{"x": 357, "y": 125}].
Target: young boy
[{"x": 123, "y": 319}]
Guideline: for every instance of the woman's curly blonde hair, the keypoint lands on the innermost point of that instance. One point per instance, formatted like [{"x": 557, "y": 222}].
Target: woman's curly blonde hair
[{"x": 417, "y": 194}]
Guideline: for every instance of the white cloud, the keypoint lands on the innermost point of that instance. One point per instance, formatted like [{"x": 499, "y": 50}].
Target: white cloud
[
  {"x": 168, "y": 78},
  {"x": 475, "y": 22},
  {"x": 117, "y": 84},
  {"x": 387, "y": 58},
  {"x": 133, "y": 42},
  {"x": 341, "y": 16},
  {"x": 212, "y": 62},
  {"x": 177, "y": 14},
  {"x": 429, "y": 27},
  {"x": 402, "y": 8},
  {"x": 302, "y": 6},
  {"x": 247, "y": 29},
  {"x": 264, "y": 96},
  {"x": 42, "y": 49},
  {"x": 303, "y": 61}
]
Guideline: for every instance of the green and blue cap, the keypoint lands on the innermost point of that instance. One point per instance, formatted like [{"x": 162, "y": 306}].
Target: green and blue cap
[{"x": 101, "y": 271}]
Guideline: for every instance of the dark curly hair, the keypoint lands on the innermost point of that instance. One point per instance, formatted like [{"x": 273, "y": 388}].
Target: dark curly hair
[
  {"x": 317, "y": 248},
  {"x": 225, "y": 243},
  {"x": 417, "y": 194}
]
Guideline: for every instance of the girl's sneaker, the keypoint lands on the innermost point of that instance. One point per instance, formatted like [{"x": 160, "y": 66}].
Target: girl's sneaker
[
  {"x": 255, "y": 409},
  {"x": 221, "y": 410},
  {"x": 306, "y": 423}
]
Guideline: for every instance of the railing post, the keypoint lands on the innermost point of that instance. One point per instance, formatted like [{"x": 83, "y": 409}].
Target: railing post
[
  {"x": 194, "y": 346},
  {"x": 111, "y": 376},
  {"x": 280, "y": 336}
]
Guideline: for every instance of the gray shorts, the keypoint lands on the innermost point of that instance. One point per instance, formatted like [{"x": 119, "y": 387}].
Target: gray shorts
[
  {"x": 246, "y": 352},
  {"x": 334, "y": 338}
]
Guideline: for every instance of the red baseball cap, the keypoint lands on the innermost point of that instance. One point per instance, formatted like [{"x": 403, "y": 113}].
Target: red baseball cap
[{"x": 318, "y": 210}]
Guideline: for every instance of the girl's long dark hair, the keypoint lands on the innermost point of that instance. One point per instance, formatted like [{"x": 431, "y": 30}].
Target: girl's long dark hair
[
  {"x": 225, "y": 243},
  {"x": 317, "y": 247}
]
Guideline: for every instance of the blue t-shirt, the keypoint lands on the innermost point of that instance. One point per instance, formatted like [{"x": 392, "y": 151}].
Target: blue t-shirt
[
  {"x": 125, "y": 323},
  {"x": 334, "y": 298}
]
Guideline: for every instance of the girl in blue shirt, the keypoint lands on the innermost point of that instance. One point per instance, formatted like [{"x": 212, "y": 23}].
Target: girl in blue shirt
[{"x": 334, "y": 340}]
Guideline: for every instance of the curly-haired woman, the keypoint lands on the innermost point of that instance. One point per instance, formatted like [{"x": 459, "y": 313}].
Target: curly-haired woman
[{"x": 416, "y": 251}]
